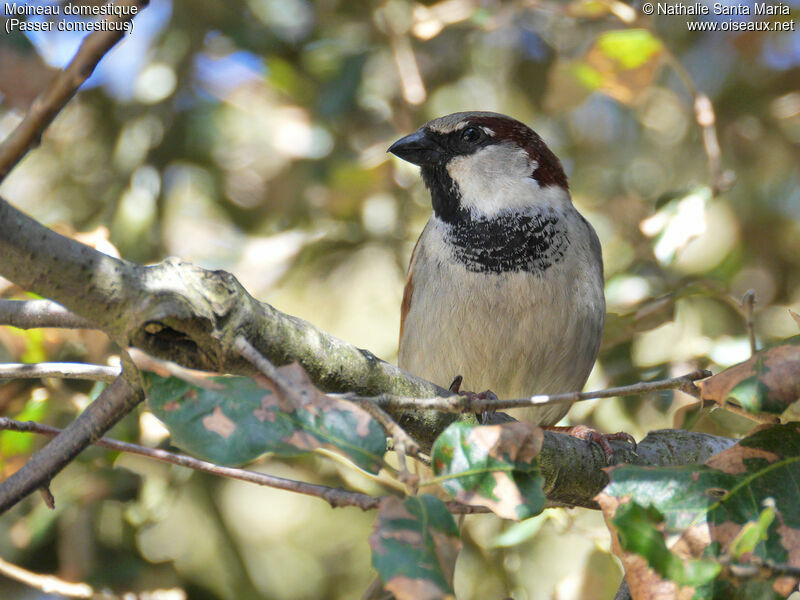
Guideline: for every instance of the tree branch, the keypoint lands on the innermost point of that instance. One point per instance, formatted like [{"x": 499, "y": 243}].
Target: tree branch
[
  {"x": 30, "y": 314},
  {"x": 115, "y": 402},
  {"x": 336, "y": 497},
  {"x": 50, "y": 584},
  {"x": 475, "y": 404},
  {"x": 179, "y": 312},
  {"x": 182, "y": 313},
  {"x": 59, "y": 370},
  {"x": 49, "y": 103},
  {"x": 573, "y": 469}
]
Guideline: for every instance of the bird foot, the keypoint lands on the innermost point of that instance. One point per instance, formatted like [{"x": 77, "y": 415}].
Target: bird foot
[
  {"x": 455, "y": 387},
  {"x": 595, "y": 437},
  {"x": 486, "y": 417}
]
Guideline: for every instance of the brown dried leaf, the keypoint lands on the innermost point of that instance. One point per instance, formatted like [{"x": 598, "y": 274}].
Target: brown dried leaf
[{"x": 768, "y": 382}]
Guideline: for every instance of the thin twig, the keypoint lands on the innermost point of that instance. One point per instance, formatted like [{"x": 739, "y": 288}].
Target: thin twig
[
  {"x": 748, "y": 306},
  {"x": 30, "y": 314},
  {"x": 411, "y": 81},
  {"x": 50, "y": 102},
  {"x": 116, "y": 401},
  {"x": 266, "y": 367},
  {"x": 721, "y": 180},
  {"x": 452, "y": 404},
  {"x": 476, "y": 404},
  {"x": 336, "y": 497},
  {"x": 705, "y": 117},
  {"x": 756, "y": 566},
  {"x": 763, "y": 418},
  {"x": 46, "y": 583},
  {"x": 59, "y": 370},
  {"x": 401, "y": 439},
  {"x": 402, "y": 443},
  {"x": 49, "y": 584}
]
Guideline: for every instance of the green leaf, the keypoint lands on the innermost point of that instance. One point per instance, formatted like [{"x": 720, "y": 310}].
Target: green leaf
[
  {"x": 752, "y": 534},
  {"x": 520, "y": 532},
  {"x": 414, "y": 548},
  {"x": 631, "y": 48},
  {"x": 711, "y": 510},
  {"x": 636, "y": 527},
  {"x": 233, "y": 420},
  {"x": 493, "y": 466},
  {"x": 13, "y": 443}
]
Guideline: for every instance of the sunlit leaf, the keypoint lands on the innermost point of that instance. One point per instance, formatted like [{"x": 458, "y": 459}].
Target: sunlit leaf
[
  {"x": 493, "y": 466},
  {"x": 627, "y": 61},
  {"x": 631, "y": 48},
  {"x": 752, "y": 534},
  {"x": 414, "y": 548},
  {"x": 588, "y": 9},
  {"x": 677, "y": 222},
  {"x": 12, "y": 442},
  {"x": 520, "y": 532}
]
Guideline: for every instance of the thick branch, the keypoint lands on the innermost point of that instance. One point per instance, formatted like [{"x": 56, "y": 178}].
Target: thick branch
[
  {"x": 573, "y": 469},
  {"x": 90, "y": 282},
  {"x": 182, "y": 313}
]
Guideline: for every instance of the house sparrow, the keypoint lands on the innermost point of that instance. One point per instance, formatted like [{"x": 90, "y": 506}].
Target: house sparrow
[{"x": 505, "y": 284}]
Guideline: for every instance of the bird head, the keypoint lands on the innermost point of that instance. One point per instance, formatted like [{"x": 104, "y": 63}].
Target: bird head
[{"x": 483, "y": 164}]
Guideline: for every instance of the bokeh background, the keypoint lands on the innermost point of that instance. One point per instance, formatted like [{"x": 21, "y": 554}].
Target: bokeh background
[{"x": 251, "y": 135}]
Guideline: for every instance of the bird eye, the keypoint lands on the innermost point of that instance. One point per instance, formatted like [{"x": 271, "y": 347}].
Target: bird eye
[{"x": 471, "y": 134}]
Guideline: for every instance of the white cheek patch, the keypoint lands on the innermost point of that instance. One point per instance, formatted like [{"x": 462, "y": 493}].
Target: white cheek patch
[{"x": 497, "y": 178}]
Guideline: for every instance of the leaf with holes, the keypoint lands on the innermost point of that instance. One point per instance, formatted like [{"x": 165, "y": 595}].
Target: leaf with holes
[
  {"x": 768, "y": 382},
  {"x": 716, "y": 514},
  {"x": 493, "y": 466},
  {"x": 233, "y": 420},
  {"x": 414, "y": 548}
]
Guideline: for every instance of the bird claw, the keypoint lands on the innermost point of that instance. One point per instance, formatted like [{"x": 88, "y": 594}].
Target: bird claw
[
  {"x": 485, "y": 417},
  {"x": 600, "y": 439}
]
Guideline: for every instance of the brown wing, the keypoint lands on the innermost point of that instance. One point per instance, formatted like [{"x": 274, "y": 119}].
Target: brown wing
[{"x": 408, "y": 291}]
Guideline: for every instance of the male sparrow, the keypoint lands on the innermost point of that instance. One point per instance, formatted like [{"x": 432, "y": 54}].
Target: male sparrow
[{"x": 505, "y": 284}]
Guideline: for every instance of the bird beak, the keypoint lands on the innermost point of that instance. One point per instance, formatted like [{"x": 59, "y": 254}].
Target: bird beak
[{"x": 419, "y": 148}]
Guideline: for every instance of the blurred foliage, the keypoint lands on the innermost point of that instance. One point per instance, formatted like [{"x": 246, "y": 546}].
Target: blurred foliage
[{"x": 250, "y": 135}]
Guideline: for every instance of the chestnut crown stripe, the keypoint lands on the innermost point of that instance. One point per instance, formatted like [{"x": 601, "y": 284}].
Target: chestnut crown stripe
[{"x": 549, "y": 172}]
